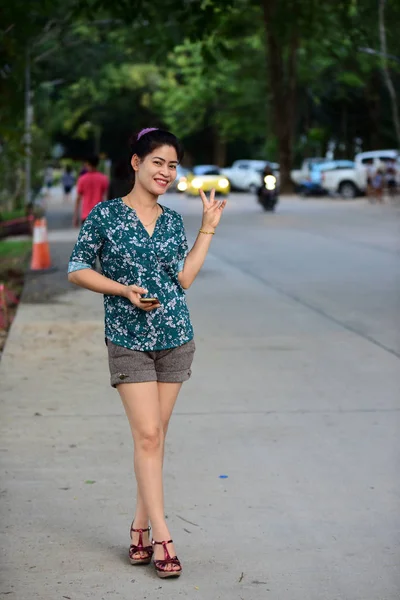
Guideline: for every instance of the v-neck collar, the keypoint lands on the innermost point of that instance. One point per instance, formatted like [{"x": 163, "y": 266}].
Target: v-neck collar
[{"x": 133, "y": 212}]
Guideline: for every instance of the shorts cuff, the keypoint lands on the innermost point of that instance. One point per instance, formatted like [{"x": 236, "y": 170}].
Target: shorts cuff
[
  {"x": 174, "y": 377},
  {"x": 139, "y": 377}
]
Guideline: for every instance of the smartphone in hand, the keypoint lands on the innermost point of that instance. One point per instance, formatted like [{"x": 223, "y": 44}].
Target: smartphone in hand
[{"x": 149, "y": 300}]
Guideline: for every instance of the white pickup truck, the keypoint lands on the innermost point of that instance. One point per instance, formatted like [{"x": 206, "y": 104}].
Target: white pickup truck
[
  {"x": 350, "y": 183},
  {"x": 303, "y": 174}
]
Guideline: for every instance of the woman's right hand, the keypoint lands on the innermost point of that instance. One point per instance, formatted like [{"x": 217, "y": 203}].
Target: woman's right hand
[{"x": 133, "y": 293}]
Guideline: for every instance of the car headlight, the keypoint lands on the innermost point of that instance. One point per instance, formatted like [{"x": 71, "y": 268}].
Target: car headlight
[
  {"x": 223, "y": 183},
  {"x": 182, "y": 186},
  {"x": 197, "y": 183},
  {"x": 270, "y": 182}
]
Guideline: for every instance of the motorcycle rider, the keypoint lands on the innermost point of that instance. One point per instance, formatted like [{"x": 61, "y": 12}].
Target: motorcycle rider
[
  {"x": 266, "y": 171},
  {"x": 267, "y": 197}
]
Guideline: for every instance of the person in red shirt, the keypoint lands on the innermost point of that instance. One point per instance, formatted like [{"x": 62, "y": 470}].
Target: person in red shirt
[{"x": 91, "y": 189}]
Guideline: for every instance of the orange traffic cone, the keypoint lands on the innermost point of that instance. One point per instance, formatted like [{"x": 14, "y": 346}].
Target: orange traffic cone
[{"x": 40, "y": 250}]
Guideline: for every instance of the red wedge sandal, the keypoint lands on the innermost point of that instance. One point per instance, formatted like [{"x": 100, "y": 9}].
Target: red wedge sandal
[
  {"x": 161, "y": 565},
  {"x": 146, "y": 552}
]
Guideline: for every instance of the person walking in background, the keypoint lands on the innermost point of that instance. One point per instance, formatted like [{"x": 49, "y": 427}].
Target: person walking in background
[
  {"x": 48, "y": 180},
  {"x": 91, "y": 189},
  {"x": 391, "y": 179},
  {"x": 378, "y": 184},
  {"x": 146, "y": 269},
  {"x": 68, "y": 182},
  {"x": 369, "y": 173}
]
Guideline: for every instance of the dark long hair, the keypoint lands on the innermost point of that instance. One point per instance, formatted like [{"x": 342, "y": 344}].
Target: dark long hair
[{"x": 146, "y": 141}]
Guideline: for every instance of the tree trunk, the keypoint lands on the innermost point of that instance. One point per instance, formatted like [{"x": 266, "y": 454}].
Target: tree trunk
[
  {"x": 374, "y": 111},
  {"x": 386, "y": 73},
  {"x": 219, "y": 149},
  {"x": 343, "y": 144},
  {"x": 285, "y": 162},
  {"x": 96, "y": 139},
  {"x": 282, "y": 74}
]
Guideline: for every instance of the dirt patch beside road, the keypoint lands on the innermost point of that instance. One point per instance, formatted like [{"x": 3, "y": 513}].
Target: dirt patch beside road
[{"x": 43, "y": 287}]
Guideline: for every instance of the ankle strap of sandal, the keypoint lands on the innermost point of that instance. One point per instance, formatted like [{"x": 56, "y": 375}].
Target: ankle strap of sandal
[
  {"x": 140, "y": 532},
  {"x": 162, "y": 543},
  {"x": 167, "y": 556}
]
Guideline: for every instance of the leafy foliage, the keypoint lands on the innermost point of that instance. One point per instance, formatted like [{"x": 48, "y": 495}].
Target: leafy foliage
[
  {"x": 224, "y": 96},
  {"x": 231, "y": 77}
]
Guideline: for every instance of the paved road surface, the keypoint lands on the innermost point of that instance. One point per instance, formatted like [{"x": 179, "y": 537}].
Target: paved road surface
[{"x": 294, "y": 397}]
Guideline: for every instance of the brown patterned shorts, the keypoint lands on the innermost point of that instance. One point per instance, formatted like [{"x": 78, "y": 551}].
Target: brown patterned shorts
[{"x": 136, "y": 366}]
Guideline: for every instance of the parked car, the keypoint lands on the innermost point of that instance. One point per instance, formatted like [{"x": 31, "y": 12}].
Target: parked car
[
  {"x": 352, "y": 182},
  {"x": 207, "y": 177},
  {"x": 180, "y": 183},
  {"x": 313, "y": 185},
  {"x": 245, "y": 175},
  {"x": 303, "y": 174}
]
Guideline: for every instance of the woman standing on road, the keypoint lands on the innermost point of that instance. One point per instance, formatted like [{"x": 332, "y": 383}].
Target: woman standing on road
[{"x": 146, "y": 267}]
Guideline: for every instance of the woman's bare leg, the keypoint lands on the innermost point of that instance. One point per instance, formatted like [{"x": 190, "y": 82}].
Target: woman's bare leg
[
  {"x": 149, "y": 407},
  {"x": 167, "y": 396}
]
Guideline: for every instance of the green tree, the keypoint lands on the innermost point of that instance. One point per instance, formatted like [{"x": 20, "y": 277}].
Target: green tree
[
  {"x": 115, "y": 99},
  {"x": 222, "y": 96},
  {"x": 298, "y": 72},
  {"x": 28, "y": 28}
]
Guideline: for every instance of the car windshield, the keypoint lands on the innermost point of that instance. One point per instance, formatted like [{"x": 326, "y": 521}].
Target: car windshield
[
  {"x": 206, "y": 170},
  {"x": 256, "y": 165},
  {"x": 272, "y": 167},
  {"x": 181, "y": 171},
  {"x": 333, "y": 164},
  {"x": 312, "y": 162}
]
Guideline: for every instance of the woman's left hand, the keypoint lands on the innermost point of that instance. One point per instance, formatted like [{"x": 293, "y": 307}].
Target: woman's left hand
[{"x": 212, "y": 210}]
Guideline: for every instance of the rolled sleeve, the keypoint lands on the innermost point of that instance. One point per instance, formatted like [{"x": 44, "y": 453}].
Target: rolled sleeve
[
  {"x": 77, "y": 266},
  {"x": 88, "y": 244}
]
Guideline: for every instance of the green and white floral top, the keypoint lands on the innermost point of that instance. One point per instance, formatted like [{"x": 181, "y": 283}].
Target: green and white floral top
[{"x": 129, "y": 255}]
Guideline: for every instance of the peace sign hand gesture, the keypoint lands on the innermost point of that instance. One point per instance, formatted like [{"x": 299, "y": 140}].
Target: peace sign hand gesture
[{"x": 212, "y": 210}]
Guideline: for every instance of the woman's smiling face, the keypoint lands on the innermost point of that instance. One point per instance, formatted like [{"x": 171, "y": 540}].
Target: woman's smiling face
[{"x": 157, "y": 171}]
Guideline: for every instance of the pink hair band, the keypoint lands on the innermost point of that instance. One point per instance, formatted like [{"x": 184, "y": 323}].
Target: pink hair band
[{"x": 144, "y": 131}]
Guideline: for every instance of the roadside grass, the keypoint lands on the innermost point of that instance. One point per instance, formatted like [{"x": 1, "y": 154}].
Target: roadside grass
[
  {"x": 14, "y": 260},
  {"x": 14, "y": 249},
  {"x": 8, "y": 215}
]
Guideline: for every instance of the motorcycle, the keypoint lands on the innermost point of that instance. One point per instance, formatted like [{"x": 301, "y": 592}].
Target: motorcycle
[{"x": 268, "y": 193}]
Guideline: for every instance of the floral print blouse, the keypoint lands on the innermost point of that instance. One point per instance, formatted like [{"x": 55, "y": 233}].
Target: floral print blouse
[{"x": 129, "y": 255}]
